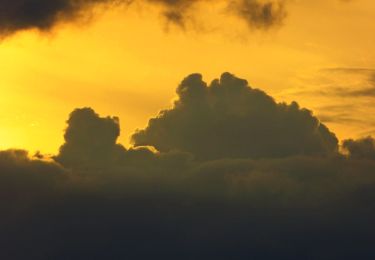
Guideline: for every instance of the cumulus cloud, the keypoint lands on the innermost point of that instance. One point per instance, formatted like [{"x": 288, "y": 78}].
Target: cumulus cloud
[
  {"x": 229, "y": 119},
  {"x": 363, "y": 148},
  {"x": 106, "y": 201},
  {"x": 45, "y": 14},
  {"x": 90, "y": 140}
]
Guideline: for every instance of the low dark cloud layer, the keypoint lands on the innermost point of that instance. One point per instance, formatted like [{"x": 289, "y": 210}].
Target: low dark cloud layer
[
  {"x": 292, "y": 208},
  {"x": 43, "y": 15},
  {"x": 98, "y": 200},
  {"x": 229, "y": 119}
]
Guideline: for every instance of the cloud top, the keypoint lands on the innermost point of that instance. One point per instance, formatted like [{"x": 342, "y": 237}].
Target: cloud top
[
  {"x": 229, "y": 119},
  {"x": 90, "y": 139}
]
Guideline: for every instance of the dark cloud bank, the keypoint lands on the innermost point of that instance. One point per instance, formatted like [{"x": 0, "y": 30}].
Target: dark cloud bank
[
  {"x": 17, "y": 15},
  {"x": 238, "y": 176}
]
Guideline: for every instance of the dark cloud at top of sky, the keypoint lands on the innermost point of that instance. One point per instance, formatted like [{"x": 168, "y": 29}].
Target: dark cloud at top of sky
[
  {"x": 19, "y": 15},
  {"x": 107, "y": 202},
  {"x": 38, "y": 14},
  {"x": 229, "y": 119}
]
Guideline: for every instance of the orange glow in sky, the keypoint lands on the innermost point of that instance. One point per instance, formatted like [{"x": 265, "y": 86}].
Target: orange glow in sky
[{"x": 128, "y": 62}]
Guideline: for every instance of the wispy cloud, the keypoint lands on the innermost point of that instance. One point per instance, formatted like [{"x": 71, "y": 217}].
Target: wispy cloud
[{"x": 43, "y": 15}]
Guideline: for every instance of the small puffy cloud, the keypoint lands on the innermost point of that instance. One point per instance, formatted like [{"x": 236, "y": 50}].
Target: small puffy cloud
[
  {"x": 91, "y": 143},
  {"x": 229, "y": 119},
  {"x": 360, "y": 149},
  {"x": 90, "y": 140}
]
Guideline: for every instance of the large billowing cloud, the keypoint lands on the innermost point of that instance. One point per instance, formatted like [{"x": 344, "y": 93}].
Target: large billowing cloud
[
  {"x": 229, "y": 119},
  {"x": 107, "y": 202},
  {"x": 44, "y": 14}
]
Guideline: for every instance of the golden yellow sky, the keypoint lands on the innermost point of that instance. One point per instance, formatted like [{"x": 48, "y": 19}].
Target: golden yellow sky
[{"x": 128, "y": 62}]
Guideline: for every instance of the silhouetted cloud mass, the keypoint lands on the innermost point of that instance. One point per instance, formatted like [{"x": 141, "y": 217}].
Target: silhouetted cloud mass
[
  {"x": 98, "y": 200},
  {"x": 43, "y": 15},
  {"x": 229, "y": 119}
]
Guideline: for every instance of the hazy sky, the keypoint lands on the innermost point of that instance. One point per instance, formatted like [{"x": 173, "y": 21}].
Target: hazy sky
[{"x": 127, "y": 61}]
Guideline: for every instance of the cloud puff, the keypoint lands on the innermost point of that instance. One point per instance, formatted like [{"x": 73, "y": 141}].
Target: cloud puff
[
  {"x": 19, "y": 15},
  {"x": 229, "y": 119},
  {"x": 363, "y": 148},
  {"x": 90, "y": 140},
  {"x": 91, "y": 144}
]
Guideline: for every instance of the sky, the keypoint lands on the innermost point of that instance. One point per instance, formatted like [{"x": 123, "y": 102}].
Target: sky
[
  {"x": 127, "y": 61},
  {"x": 187, "y": 129}
]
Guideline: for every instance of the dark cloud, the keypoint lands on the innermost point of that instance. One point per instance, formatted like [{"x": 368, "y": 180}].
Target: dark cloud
[
  {"x": 19, "y": 15},
  {"x": 39, "y": 14},
  {"x": 292, "y": 208},
  {"x": 24, "y": 182},
  {"x": 108, "y": 202},
  {"x": 260, "y": 14},
  {"x": 229, "y": 119},
  {"x": 360, "y": 149},
  {"x": 90, "y": 140},
  {"x": 343, "y": 118},
  {"x": 257, "y": 14},
  {"x": 91, "y": 143}
]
